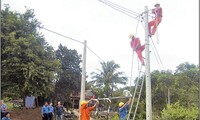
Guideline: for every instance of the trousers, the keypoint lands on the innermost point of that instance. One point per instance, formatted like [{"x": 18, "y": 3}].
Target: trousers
[
  {"x": 154, "y": 23},
  {"x": 139, "y": 53}
]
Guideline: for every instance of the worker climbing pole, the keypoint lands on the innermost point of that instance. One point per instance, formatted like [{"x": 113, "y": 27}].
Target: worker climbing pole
[
  {"x": 153, "y": 24},
  {"x": 150, "y": 29},
  {"x": 137, "y": 47}
]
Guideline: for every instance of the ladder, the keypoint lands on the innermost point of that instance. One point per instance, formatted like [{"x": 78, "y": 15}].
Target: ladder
[{"x": 137, "y": 93}]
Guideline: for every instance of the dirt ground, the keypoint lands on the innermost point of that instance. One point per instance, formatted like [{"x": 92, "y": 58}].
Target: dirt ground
[{"x": 27, "y": 114}]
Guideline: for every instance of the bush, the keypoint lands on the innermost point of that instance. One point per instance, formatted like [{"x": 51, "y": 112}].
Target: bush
[{"x": 178, "y": 112}]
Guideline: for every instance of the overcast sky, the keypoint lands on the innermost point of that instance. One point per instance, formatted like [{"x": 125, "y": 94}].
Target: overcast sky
[{"x": 106, "y": 30}]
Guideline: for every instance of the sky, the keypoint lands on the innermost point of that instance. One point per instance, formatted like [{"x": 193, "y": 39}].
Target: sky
[{"x": 106, "y": 30}]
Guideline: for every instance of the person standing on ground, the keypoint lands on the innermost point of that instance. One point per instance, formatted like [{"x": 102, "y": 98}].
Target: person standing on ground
[
  {"x": 123, "y": 109},
  {"x": 3, "y": 108},
  {"x": 51, "y": 111},
  {"x": 85, "y": 109},
  {"x": 45, "y": 111},
  {"x": 59, "y": 111}
]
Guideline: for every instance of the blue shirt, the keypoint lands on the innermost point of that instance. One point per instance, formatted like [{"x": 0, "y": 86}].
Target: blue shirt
[
  {"x": 4, "y": 118},
  {"x": 51, "y": 109},
  {"x": 123, "y": 112},
  {"x": 3, "y": 107},
  {"x": 44, "y": 109}
]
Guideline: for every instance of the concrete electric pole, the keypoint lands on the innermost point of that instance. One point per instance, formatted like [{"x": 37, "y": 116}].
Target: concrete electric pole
[
  {"x": 147, "y": 67},
  {"x": 82, "y": 96}
]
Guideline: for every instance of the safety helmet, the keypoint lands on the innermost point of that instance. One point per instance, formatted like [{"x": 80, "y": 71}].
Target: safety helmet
[
  {"x": 121, "y": 104},
  {"x": 156, "y": 4},
  {"x": 83, "y": 102},
  {"x": 131, "y": 36}
]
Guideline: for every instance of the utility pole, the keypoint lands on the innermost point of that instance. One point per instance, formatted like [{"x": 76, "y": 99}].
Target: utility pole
[
  {"x": 147, "y": 68},
  {"x": 82, "y": 96}
]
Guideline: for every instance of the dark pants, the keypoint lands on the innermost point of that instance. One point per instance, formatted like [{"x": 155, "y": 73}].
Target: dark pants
[
  {"x": 3, "y": 114},
  {"x": 45, "y": 116},
  {"x": 50, "y": 116}
]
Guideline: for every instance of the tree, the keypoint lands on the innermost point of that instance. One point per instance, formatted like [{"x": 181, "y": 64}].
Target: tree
[
  {"x": 177, "y": 112},
  {"x": 108, "y": 77},
  {"x": 69, "y": 77},
  {"x": 28, "y": 63}
]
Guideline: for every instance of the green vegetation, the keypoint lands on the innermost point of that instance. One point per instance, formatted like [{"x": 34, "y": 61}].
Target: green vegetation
[{"x": 31, "y": 66}]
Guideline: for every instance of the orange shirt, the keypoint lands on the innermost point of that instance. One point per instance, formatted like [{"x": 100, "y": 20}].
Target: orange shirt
[{"x": 85, "y": 112}]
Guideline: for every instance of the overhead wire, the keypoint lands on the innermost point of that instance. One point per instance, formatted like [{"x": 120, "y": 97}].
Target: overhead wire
[
  {"x": 73, "y": 40},
  {"x": 121, "y": 10},
  {"x": 120, "y": 7},
  {"x": 60, "y": 34},
  {"x": 95, "y": 54}
]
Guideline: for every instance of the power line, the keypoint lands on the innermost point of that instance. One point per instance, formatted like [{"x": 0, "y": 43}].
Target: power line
[
  {"x": 61, "y": 35},
  {"x": 71, "y": 39},
  {"x": 95, "y": 54},
  {"x": 122, "y": 11},
  {"x": 121, "y": 7}
]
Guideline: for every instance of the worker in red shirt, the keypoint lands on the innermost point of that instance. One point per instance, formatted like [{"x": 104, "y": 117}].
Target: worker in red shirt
[
  {"x": 156, "y": 21},
  {"x": 85, "y": 109},
  {"x": 137, "y": 47}
]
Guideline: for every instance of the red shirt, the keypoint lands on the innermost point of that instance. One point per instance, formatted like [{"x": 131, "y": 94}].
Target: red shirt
[
  {"x": 135, "y": 44},
  {"x": 157, "y": 11},
  {"x": 85, "y": 112}
]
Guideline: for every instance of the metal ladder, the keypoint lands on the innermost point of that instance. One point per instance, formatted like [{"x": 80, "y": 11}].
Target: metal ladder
[{"x": 137, "y": 93}]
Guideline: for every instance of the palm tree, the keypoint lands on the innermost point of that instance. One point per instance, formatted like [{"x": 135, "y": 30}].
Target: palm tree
[{"x": 108, "y": 77}]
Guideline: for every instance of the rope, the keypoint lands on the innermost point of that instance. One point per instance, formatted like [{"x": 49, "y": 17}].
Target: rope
[
  {"x": 157, "y": 53},
  {"x": 137, "y": 27},
  {"x": 157, "y": 31},
  {"x": 131, "y": 70},
  {"x": 156, "y": 58}
]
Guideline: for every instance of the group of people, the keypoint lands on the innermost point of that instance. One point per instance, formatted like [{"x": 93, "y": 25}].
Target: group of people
[
  {"x": 135, "y": 41},
  {"x": 48, "y": 111},
  {"x": 86, "y": 109}
]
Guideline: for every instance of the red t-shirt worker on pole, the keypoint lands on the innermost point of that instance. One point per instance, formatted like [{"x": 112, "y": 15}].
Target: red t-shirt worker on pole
[
  {"x": 137, "y": 47},
  {"x": 158, "y": 17}
]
